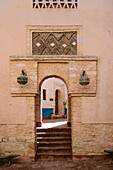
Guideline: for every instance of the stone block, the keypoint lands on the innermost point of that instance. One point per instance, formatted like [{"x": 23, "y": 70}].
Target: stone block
[{"x": 5, "y": 139}]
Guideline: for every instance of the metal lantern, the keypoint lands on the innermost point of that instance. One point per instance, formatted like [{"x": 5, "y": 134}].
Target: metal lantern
[
  {"x": 22, "y": 79},
  {"x": 83, "y": 79}
]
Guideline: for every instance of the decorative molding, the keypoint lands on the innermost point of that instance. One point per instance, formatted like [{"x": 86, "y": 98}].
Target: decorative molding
[
  {"x": 56, "y": 58},
  {"x": 55, "y": 29}
]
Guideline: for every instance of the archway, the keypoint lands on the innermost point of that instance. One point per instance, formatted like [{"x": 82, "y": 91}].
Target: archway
[{"x": 53, "y": 100}]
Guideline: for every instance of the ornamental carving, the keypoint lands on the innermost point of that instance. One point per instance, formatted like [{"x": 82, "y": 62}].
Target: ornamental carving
[{"x": 54, "y": 43}]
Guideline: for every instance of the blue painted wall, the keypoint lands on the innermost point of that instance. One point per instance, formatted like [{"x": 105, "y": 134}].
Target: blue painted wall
[{"x": 46, "y": 112}]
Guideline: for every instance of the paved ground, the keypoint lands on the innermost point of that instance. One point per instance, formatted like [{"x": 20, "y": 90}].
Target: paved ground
[
  {"x": 62, "y": 165},
  {"x": 52, "y": 123}
]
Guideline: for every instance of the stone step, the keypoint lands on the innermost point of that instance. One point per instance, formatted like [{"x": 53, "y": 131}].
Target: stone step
[
  {"x": 54, "y": 156},
  {"x": 68, "y": 129},
  {"x": 54, "y": 144},
  {"x": 47, "y": 139},
  {"x": 54, "y": 149},
  {"x": 53, "y": 134}
]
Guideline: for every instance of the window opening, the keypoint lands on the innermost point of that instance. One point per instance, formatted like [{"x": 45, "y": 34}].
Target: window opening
[
  {"x": 55, "y": 4},
  {"x": 44, "y": 94}
]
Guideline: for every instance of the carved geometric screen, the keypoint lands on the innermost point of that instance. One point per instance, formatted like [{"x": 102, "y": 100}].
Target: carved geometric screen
[
  {"x": 55, "y": 4},
  {"x": 54, "y": 43}
]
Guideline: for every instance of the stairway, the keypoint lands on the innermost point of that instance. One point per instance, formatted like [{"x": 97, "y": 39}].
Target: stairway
[{"x": 53, "y": 144}]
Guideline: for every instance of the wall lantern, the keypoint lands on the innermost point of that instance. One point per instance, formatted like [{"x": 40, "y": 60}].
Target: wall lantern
[
  {"x": 22, "y": 79},
  {"x": 83, "y": 79}
]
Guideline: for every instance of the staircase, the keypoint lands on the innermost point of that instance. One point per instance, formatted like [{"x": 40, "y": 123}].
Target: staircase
[{"x": 53, "y": 144}]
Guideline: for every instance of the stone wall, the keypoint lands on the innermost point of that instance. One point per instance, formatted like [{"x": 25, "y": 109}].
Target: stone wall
[
  {"x": 15, "y": 71},
  {"x": 68, "y": 69},
  {"x": 20, "y": 138},
  {"x": 91, "y": 139},
  {"x": 75, "y": 69},
  {"x": 88, "y": 138}
]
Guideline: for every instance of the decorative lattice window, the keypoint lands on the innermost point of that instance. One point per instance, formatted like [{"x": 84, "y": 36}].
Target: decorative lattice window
[
  {"x": 55, "y": 43},
  {"x": 55, "y": 4}
]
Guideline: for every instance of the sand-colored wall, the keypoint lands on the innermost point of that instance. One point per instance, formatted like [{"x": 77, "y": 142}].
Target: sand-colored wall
[{"x": 95, "y": 19}]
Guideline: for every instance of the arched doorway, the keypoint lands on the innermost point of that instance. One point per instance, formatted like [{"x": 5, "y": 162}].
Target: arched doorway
[
  {"x": 59, "y": 102},
  {"x": 54, "y": 100}
]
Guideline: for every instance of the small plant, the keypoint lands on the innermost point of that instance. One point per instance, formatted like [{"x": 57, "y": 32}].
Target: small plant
[{"x": 65, "y": 103}]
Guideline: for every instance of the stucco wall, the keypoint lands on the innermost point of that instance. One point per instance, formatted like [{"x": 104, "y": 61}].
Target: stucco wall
[{"x": 95, "y": 17}]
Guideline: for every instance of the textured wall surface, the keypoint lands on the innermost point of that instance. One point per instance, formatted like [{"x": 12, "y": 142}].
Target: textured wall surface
[
  {"x": 91, "y": 114},
  {"x": 88, "y": 138},
  {"x": 19, "y": 138},
  {"x": 31, "y": 69}
]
